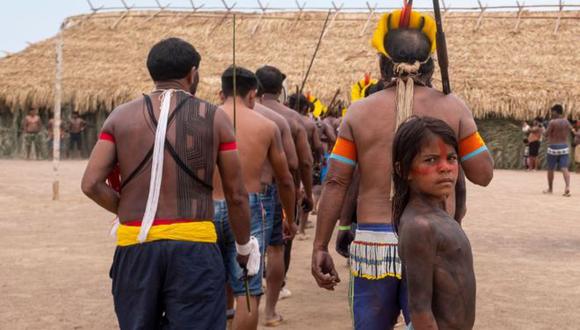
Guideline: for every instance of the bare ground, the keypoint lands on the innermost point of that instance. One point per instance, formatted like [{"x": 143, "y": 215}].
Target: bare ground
[{"x": 55, "y": 256}]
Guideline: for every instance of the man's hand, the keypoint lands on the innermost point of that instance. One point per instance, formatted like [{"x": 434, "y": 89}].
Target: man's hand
[
  {"x": 290, "y": 229},
  {"x": 307, "y": 203},
  {"x": 242, "y": 260},
  {"x": 343, "y": 240},
  {"x": 323, "y": 270}
]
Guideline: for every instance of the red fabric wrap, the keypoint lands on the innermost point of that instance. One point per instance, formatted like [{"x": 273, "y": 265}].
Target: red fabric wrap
[
  {"x": 114, "y": 178},
  {"x": 228, "y": 146},
  {"x": 107, "y": 137}
]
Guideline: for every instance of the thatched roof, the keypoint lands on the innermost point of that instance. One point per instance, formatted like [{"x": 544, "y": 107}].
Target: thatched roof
[{"x": 497, "y": 71}]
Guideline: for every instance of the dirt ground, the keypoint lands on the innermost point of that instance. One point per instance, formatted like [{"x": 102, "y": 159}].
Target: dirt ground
[{"x": 55, "y": 256}]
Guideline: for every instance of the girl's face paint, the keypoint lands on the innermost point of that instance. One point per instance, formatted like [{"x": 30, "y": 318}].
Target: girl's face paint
[{"x": 434, "y": 170}]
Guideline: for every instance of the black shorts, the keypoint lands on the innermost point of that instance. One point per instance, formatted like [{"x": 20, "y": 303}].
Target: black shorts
[
  {"x": 534, "y": 149},
  {"x": 169, "y": 285}
]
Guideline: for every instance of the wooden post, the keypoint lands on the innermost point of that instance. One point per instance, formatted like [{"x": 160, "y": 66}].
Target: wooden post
[
  {"x": 194, "y": 10},
  {"x": 57, "y": 120},
  {"x": 300, "y": 12},
  {"x": 127, "y": 9},
  {"x": 480, "y": 18},
  {"x": 560, "y": 8},
  {"x": 337, "y": 10},
  {"x": 371, "y": 14},
  {"x": 520, "y": 11},
  {"x": 263, "y": 11},
  {"x": 161, "y": 9},
  {"x": 445, "y": 10},
  {"x": 228, "y": 11}
]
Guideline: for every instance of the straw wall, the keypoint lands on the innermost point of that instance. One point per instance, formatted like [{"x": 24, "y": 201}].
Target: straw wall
[{"x": 497, "y": 71}]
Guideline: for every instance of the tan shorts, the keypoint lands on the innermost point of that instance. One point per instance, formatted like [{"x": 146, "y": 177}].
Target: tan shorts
[{"x": 577, "y": 154}]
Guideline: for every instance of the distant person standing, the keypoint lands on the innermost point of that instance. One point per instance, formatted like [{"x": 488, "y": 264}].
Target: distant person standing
[
  {"x": 534, "y": 140},
  {"x": 31, "y": 126},
  {"x": 558, "y": 133},
  {"x": 76, "y": 127}
]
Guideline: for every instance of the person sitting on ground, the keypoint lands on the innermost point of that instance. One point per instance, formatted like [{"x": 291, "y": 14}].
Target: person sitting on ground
[{"x": 435, "y": 252}]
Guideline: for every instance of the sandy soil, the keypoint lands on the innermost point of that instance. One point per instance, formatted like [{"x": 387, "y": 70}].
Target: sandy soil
[{"x": 55, "y": 256}]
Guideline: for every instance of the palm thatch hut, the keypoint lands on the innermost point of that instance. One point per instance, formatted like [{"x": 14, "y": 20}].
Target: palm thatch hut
[{"x": 502, "y": 74}]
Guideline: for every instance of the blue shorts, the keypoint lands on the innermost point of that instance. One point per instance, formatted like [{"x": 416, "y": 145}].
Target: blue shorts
[
  {"x": 227, "y": 244},
  {"x": 377, "y": 292},
  {"x": 558, "y": 156},
  {"x": 169, "y": 284},
  {"x": 273, "y": 215}
]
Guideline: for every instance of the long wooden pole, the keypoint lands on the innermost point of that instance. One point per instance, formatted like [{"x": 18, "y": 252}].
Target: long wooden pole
[
  {"x": 57, "y": 118},
  {"x": 441, "y": 49}
]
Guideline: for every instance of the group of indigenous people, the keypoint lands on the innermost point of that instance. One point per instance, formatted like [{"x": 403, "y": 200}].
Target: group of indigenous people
[
  {"x": 206, "y": 197},
  {"x": 209, "y": 198},
  {"x": 32, "y": 128}
]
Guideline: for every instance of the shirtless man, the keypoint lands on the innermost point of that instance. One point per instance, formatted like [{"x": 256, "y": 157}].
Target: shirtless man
[
  {"x": 270, "y": 88},
  {"x": 277, "y": 228},
  {"x": 31, "y": 126},
  {"x": 302, "y": 106},
  {"x": 558, "y": 154},
  {"x": 76, "y": 127},
  {"x": 365, "y": 138},
  {"x": 258, "y": 141},
  {"x": 177, "y": 278},
  {"x": 534, "y": 140}
]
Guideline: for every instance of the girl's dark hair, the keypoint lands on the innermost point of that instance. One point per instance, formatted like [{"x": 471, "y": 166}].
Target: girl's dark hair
[{"x": 408, "y": 142}]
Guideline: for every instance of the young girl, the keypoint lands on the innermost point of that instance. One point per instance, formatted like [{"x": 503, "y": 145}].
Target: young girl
[{"x": 435, "y": 252}]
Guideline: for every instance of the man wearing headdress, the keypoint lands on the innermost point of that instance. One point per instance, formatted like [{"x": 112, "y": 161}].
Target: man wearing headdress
[
  {"x": 405, "y": 41},
  {"x": 167, "y": 270}
]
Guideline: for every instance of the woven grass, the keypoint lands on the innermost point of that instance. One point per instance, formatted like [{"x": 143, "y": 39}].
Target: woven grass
[{"x": 496, "y": 71}]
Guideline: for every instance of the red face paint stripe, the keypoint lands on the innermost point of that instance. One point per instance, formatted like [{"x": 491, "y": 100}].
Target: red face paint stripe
[
  {"x": 228, "y": 146},
  {"x": 107, "y": 137}
]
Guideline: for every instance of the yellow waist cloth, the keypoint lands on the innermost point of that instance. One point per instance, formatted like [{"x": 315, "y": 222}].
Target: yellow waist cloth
[{"x": 199, "y": 231}]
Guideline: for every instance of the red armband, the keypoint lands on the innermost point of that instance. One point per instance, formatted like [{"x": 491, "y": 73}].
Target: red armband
[
  {"x": 107, "y": 137},
  {"x": 228, "y": 146}
]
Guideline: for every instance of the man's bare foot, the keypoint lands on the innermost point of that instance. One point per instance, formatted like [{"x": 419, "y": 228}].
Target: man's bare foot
[
  {"x": 567, "y": 193},
  {"x": 302, "y": 237},
  {"x": 274, "y": 322},
  {"x": 547, "y": 191},
  {"x": 285, "y": 293}
]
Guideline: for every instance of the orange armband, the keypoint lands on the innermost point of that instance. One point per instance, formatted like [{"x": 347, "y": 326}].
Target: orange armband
[
  {"x": 344, "y": 151},
  {"x": 471, "y": 146}
]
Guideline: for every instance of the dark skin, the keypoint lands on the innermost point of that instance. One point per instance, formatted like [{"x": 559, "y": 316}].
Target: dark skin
[
  {"x": 134, "y": 136},
  {"x": 300, "y": 137},
  {"x": 369, "y": 123},
  {"x": 434, "y": 250}
]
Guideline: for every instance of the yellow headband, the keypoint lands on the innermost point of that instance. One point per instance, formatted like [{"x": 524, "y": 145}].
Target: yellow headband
[{"x": 429, "y": 29}]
